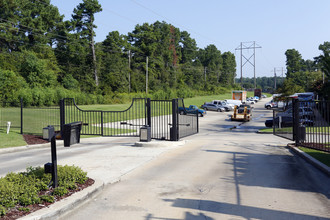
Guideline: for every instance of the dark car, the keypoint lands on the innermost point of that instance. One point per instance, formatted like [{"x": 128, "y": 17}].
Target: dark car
[{"x": 287, "y": 121}]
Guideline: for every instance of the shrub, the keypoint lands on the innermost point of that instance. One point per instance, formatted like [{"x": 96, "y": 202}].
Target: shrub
[
  {"x": 2, "y": 210},
  {"x": 60, "y": 191},
  {"x": 23, "y": 189},
  {"x": 47, "y": 198}
]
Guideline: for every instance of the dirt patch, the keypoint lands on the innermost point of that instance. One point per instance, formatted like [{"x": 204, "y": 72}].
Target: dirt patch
[
  {"x": 15, "y": 213},
  {"x": 34, "y": 139}
]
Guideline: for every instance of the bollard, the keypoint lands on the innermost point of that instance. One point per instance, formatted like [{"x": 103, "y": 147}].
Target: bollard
[{"x": 8, "y": 126}]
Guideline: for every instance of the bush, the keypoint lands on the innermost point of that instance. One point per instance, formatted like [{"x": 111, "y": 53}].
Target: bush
[
  {"x": 23, "y": 189},
  {"x": 2, "y": 210},
  {"x": 60, "y": 191}
]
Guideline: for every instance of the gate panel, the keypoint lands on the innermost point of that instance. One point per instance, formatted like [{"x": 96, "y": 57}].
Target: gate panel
[
  {"x": 127, "y": 122},
  {"x": 90, "y": 118},
  {"x": 283, "y": 120},
  {"x": 161, "y": 119},
  {"x": 107, "y": 123},
  {"x": 187, "y": 123}
]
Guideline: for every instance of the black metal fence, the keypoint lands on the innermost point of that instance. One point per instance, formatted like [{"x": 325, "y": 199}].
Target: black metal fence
[
  {"x": 10, "y": 112},
  {"x": 312, "y": 126},
  {"x": 161, "y": 116},
  {"x": 305, "y": 122},
  {"x": 28, "y": 120}
]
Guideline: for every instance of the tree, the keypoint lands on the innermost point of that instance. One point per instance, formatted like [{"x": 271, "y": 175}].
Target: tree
[
  {"x": 294, "y": 61},
  {"x": 83, "y": 24},
  {"x": 188, "y": 48},
  {"x": 27, "y": 24},
  {"x": 229, "y": 68},
  {"x": 211, "y": 58},
  {"x": 324, "y": 59},
  {"x": 114, "y": 63}
]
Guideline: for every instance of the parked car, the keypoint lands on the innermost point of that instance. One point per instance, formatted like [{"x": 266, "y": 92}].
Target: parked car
[
  {"x": 273, "y": 104},
  {"x": 287, "y": 121},
  {"x": 304, "y": 112},
  {"x": 233, "y": 102},
  {"x": 213, "y": 107},
  {"x": 192, "y": 109},
  {"x": 263, "y": 96},
  {"x": 250, "y": 101},
  {"x": 228, "y": 107}
]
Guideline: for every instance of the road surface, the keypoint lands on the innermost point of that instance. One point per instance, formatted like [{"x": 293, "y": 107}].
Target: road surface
[{"x": 227, "y": 171}]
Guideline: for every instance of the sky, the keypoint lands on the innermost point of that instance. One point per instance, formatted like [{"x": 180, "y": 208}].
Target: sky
[{"x": 274, "y": 25}]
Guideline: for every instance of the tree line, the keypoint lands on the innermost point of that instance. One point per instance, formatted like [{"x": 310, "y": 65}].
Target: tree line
[
  {"x": 44, "y": 58},
  {"x": 307, "y": 75}
]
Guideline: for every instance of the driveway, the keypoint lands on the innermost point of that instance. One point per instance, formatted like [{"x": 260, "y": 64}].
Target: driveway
[{"x": 227, "y": 171}]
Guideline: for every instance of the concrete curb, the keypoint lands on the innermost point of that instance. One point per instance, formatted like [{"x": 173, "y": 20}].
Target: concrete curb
[
  {"x": 28, "y": 147},
  {"x": 68, "y": 204},
  {"x": 156, "y": 143},
  {"x": 324, "y": 168}
]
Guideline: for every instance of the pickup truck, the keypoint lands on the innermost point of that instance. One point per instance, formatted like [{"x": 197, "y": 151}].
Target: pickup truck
[{"x": 192, "y": 109}]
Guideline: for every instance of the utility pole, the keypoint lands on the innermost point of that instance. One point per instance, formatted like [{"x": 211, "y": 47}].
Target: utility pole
[
  {"x": 147, "y": 75},
  {"x": 129, "y": 71},
  {"x": 205, "y": 73},
  {"x": 248, "y": 46},
  {"x": 275, "y": 78}
]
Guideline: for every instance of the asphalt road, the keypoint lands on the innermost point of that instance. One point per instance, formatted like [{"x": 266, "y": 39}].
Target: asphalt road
[{"x": 227, "y": 171}]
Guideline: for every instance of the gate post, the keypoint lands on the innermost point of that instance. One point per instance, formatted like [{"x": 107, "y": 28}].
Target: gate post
[
  {"x": 62, "y": 116},
  {"x": 21, "y": 115},
  {"x": 148, "y": 110},
  {"x": 295, "y": 127},
  {"x": 174, "y": 130}
]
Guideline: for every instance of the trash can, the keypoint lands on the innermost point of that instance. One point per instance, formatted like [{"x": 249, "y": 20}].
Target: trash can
[
  {"x": 48, "y": 132},
  {"x": 71, "y": 133},
  {"x": 145, "y": 134}
]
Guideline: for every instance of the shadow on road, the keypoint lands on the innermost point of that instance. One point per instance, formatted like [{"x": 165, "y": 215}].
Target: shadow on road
[
  {"x": 277, "y": 171},
  {"x": 247, "y": 212}
]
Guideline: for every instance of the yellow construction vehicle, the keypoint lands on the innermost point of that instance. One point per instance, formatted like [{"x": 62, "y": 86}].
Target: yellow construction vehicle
[{"x": 242, "y": 113}]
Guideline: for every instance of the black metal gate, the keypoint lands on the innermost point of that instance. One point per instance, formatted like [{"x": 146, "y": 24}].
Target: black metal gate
[
  {"x": 160, "y": 115},
  {"x": 106, "y": 123},
  {"x": 305, "y": 122}
]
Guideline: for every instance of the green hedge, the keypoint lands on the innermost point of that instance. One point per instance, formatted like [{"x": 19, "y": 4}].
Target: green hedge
[{"x": 51, "y": 96}]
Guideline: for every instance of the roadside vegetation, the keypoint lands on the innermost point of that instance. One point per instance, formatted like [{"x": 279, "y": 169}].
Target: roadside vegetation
[
  {"x": 22, "y": 191},
  {"x": 321, "y": 156}
]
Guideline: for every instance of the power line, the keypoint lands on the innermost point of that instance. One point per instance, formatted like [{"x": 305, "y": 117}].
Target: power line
[
  {"x": 154, "y": 12},
  {"x": 248, "y": 46}
]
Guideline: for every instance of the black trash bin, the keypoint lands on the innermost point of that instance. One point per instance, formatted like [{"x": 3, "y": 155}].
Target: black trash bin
[{"x": 71, "y": 133}]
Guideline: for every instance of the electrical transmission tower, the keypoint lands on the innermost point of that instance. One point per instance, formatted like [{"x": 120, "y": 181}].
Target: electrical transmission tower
[{"x": 248, "y": 46}]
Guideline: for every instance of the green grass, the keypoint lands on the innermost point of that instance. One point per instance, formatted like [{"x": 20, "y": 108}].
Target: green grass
[
  {"x": 321, "y": 156},
  {"x": 13, "y": 139},
  {"x": 266, "y": 130}
]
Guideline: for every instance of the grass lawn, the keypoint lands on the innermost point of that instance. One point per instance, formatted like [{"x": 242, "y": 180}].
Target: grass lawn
[
  {"x": 321, "y": 156},
  {"x": 13, "y": 139}
]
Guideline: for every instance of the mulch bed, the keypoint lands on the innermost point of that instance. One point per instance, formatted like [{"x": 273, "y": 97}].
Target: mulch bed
[
  {"x": 14, "y": 213},
  {"x": 34, "y": 139}
]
